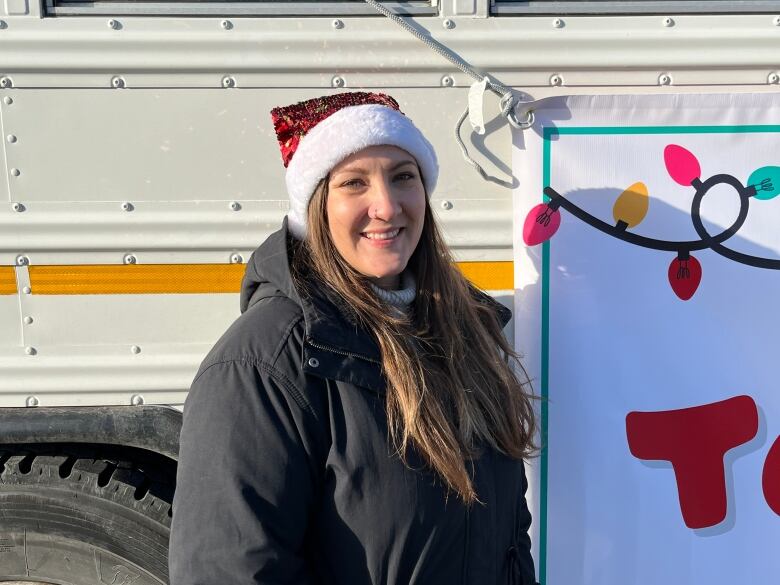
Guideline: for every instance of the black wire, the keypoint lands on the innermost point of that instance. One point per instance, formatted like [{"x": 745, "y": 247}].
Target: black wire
[{"x": 713, "y": 242}]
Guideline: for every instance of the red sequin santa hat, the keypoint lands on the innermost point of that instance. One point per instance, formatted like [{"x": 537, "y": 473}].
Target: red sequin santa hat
[{"x": 316, "y": 134}]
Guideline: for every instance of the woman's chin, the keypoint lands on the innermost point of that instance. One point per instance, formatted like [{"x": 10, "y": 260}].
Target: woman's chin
[{"x": 387, "y": 272}]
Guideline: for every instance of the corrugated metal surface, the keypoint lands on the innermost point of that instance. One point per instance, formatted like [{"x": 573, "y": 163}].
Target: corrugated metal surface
[
  {"x": 294, "y": 52},
  {"x": 92, "y": 375},
  {"x": 11, "y": 329},
  {"x": 83, "y": 347},
  {"x": 181, "y": 157}
]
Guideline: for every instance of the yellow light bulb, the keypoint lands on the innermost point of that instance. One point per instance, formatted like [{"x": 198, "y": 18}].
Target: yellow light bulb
[{"x": 631, "y": 207}]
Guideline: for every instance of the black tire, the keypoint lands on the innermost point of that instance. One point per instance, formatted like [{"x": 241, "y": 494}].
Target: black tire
[{"x": 77, "y": 521}]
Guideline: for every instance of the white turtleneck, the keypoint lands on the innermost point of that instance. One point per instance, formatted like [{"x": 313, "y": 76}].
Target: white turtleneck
[{"x": 401, "y": 298}]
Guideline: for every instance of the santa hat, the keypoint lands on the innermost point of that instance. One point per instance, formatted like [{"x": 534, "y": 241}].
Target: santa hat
[{"x": 316, "y": 134}]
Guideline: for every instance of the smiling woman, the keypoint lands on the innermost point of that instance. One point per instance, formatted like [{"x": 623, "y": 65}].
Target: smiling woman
[
  {"x": 365, "y": 420},
  {"x": 375, "y": 209}
]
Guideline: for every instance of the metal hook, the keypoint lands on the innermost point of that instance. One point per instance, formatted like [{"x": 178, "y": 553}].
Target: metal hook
[{"x": 510, "y": 112}]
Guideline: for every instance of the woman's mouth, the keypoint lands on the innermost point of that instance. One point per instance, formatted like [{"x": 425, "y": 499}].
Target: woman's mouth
[{"x": 382, "y": 236}]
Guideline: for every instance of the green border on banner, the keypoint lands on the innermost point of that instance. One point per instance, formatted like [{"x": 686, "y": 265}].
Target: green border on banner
[{"x": 548, "y": 134}]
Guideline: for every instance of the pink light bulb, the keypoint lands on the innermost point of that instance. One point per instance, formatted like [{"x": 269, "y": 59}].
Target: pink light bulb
[
  {"x": 681, "y": 164},
  {"x": 540, "y": 225}
]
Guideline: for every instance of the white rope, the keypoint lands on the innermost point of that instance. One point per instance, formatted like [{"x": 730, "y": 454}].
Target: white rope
[{"x": 508, "y": 101}]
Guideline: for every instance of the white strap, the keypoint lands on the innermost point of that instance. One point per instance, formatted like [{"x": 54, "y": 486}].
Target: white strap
[{"x": 476, "y": 115}]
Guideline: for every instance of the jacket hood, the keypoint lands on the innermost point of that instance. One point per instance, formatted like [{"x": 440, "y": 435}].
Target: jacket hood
[{"x": 267, "y": 272}]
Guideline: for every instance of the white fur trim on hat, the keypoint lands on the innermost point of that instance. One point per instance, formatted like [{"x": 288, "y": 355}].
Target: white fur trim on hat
[{"x": 343, "y": 133}]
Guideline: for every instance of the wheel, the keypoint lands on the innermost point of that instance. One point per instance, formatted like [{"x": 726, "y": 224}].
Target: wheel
[{"x": 68, "y": 520}]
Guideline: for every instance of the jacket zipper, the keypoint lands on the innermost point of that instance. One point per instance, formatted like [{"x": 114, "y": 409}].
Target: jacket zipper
[{"x": 313, "y": 343}]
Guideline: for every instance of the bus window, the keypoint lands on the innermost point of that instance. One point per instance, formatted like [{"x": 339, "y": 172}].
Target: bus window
[
  {"x": 597, "y": 7},
  {"x": 234, "y": 8}
]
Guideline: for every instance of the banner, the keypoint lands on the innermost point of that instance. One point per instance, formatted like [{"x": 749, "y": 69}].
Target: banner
[{"x": 647, "y": 275}]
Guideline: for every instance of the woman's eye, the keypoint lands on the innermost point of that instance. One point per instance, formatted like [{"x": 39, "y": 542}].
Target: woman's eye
[
  {"x": 406, "y": 176},
  {"x": 352, "y": 183}
]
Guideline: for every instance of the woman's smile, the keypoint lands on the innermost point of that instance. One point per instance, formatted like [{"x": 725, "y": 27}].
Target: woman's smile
[{"x": 384, "y": 238}]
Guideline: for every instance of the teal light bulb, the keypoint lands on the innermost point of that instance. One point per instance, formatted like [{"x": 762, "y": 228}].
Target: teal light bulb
[{"x": 766, "y": 181}]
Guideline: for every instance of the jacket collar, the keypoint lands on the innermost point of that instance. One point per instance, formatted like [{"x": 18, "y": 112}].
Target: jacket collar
[{"x": 342, "y": 350}]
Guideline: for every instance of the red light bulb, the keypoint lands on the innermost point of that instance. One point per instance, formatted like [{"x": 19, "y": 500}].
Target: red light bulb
[
  {"x": 681, "y": 164},
  {"x": 540, "y": 225},
  {"x": 684, "y": 276}
]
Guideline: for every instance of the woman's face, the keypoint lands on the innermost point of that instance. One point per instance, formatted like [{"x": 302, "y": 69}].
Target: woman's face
[{"x": 376, "y": 209}]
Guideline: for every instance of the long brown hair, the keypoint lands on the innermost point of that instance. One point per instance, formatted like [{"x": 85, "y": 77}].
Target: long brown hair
[{"x": 454, "y": 384}]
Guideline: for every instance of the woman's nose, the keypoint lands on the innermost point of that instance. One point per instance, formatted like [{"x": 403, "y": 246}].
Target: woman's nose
[{"x": 383, "y": 204}]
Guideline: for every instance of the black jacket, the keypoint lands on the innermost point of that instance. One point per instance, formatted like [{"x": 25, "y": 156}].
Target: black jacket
[{"x": 285, "y": 473}]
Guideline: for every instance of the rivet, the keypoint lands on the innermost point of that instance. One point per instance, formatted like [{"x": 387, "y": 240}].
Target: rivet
[
  {"x": 447, "y": 81},
  {"x": 16, "y": 172},
  {"x": 556, "y": 80},
  {"x": 8, "y": 100},
  {"x": 113, "y": 24},
  {"x": 228, "y": 81},
  {"x": 337, "y": 23},
  {"x": 668, "y": 21},
  {"x": 446, "y": 204},
  {"x": 30, "y": 351},
  {"x": 236, "y": 259},
  {"x": 776, "y": 20},
  {"x": 773, "y": 78},
  {"x": 129, "y": 259},
  {"x": 665, "y": 79},
  {"x": 235, "y": 205},
  {"x": 136, "y": 400},
  {"x": 6, "y": 82},
  {"x": 226, "y": 24},
  {"x": 314, "y": 362},
  {"x": 127, "y": 206},
  {"x": 448, "y": 23},
  {"x": 135, "y": 349},
  {"x": 338, "y": 81},
  {"x": 22, "y": 260},
  {"x": 558, "y": 22},
  {"x": 18, "y": 207},
  {"x": 32, "y": 401},
  {"x": 11, "y": 138},
  {"x": 28, "y": 320},
  {"x": 27, "y": 290},
  {"x": 117, "y": 82}
]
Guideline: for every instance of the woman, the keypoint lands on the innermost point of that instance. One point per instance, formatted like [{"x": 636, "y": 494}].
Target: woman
[{"x": 361, "y": 423}]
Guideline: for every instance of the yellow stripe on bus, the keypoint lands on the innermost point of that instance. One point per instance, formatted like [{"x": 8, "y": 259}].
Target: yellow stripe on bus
[
  {"x": 7, "y": 280},
  {"x": 490, "y": 275},
  {"x": 113, "y": 279},
  {"x": 107, "y": 279}
]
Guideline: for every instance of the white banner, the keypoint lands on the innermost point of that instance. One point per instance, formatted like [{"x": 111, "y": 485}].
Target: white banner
[{"x": 647, "y": 275}]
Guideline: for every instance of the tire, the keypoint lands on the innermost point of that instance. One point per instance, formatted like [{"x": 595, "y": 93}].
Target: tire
[{"x": 78, "y": 521}]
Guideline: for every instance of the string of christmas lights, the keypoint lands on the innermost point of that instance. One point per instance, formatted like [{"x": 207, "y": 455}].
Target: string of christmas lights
[{"x": 631, "y": 207}]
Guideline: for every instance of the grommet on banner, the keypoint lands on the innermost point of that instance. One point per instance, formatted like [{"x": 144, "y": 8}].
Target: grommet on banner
[{"x": 509, "y": 110}]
